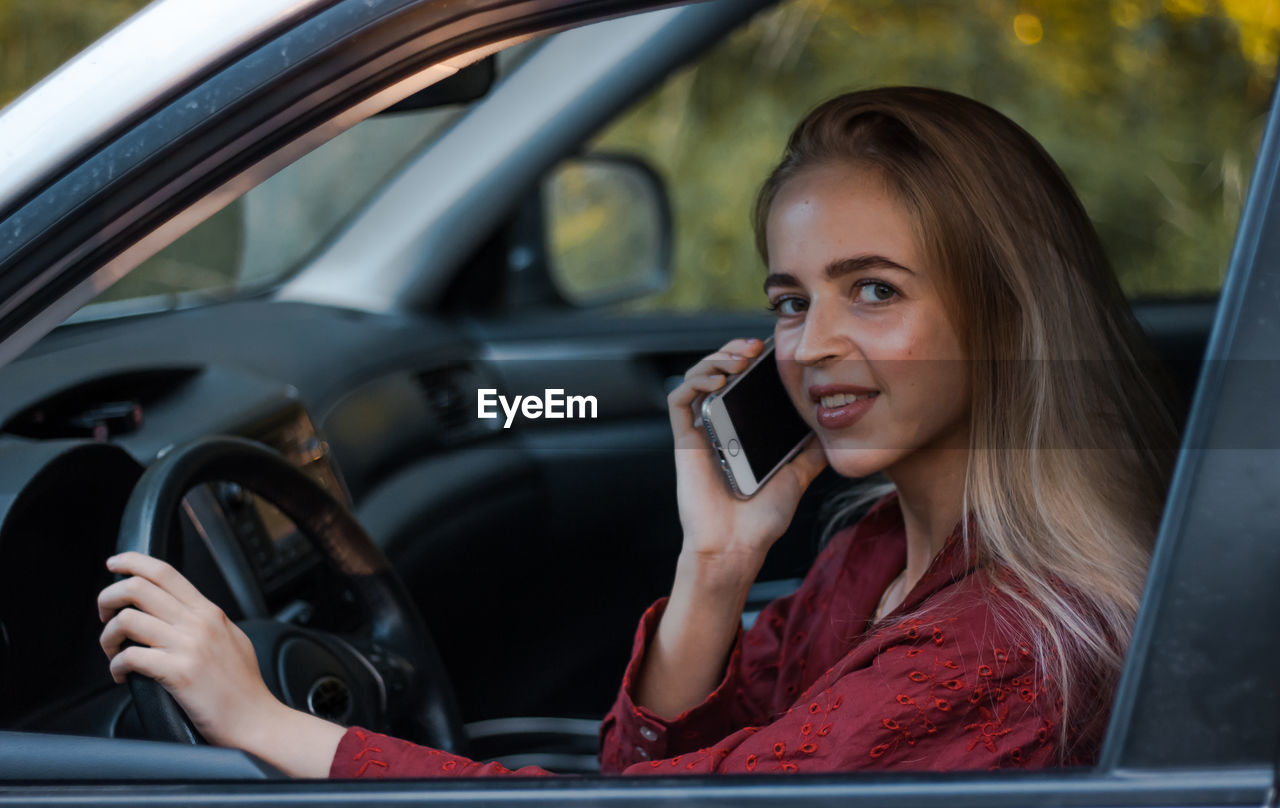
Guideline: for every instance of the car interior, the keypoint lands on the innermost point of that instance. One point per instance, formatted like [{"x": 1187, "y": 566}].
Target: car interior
[{"x": 529, "y": 551}]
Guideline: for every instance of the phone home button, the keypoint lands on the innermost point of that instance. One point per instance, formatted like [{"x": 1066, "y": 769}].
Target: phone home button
[{"x": 734, "y": 447}]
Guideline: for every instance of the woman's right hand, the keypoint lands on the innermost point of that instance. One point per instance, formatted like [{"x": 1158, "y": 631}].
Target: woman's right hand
[{"x": 721, "y": 532}]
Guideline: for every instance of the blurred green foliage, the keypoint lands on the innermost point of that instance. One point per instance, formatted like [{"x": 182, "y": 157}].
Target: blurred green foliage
[
  {"x": 37, "y": 36},
  {"x": 1154, "y": 110}
]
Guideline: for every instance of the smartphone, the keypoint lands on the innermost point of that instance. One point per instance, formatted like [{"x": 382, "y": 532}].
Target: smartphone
[{"x": 753, "y": 426}]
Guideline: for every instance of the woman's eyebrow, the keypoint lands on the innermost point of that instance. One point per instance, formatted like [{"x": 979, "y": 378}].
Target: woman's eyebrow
[
  {"x": 779, "y": 279},
  {"x": 838, "y": 269},
  {"x": 860, "y": 263}
]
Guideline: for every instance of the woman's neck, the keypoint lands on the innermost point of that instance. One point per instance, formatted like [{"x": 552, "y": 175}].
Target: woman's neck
[{"x": 930, "y": 487}]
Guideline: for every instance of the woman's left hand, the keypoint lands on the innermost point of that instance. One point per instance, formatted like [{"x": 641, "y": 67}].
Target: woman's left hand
[{"x": 187, "y": 644}]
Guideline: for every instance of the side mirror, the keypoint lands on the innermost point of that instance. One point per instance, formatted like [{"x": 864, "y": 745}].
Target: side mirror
[{"x": 609, "y": 229}]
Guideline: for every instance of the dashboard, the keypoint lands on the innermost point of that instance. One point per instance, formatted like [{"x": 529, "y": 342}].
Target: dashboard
[
  {"x": 87, "y": 409},
  {"x": 87, "y": 445},
  {"x": 381, "y": 411}
]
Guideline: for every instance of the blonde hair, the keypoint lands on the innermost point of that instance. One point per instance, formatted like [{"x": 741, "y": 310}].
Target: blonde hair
[{"x": 1071, "y": 439}]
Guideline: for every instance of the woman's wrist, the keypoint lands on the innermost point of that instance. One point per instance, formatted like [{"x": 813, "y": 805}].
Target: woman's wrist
[
  {"x": 687, "y": 656},
  {"x": 297, "y": 743},
  {"x": 726, "y": 575}
]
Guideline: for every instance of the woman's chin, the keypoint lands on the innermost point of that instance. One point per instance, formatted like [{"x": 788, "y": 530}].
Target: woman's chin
[{"x": 851, "y": 460}]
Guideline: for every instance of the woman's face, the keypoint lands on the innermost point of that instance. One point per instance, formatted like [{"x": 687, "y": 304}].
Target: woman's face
[{"x": 864, "y": 344}]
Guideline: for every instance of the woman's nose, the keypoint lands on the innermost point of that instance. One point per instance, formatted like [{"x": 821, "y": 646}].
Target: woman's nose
[{"x": 821, "y": 338}]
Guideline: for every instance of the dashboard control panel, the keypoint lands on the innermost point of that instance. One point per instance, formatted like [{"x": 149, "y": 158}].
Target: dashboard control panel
[{"x": 277, "y": 553}]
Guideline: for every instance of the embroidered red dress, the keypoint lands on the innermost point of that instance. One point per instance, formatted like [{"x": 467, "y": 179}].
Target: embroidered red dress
[{"x": 814, "y": 687}]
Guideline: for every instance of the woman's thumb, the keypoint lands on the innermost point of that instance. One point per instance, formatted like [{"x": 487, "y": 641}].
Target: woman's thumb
[{"x": 809, "y": 463}]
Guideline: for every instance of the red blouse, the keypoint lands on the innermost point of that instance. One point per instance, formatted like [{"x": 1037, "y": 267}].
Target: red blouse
[{"x": 941, "y": 683}]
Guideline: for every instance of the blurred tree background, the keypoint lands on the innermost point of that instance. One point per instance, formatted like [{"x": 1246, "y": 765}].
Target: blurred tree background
[
  {"x": 1154, "y": 108},
  {"x": 37, "y": 36}
]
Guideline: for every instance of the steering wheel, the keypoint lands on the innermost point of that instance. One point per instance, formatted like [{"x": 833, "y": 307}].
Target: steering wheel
[{"x": 390, "y": 669}]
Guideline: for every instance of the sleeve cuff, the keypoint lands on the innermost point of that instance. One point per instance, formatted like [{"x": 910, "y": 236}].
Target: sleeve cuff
[
  {"x": 648, "y": 736},
  {"x": 357, "y": 754}
]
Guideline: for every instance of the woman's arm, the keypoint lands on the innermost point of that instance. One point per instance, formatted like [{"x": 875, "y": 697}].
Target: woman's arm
[
  {"x": 686, "y": 659},
  {"x": 958, "y": 692},
  {"x": 297, "y": 743},
  {"x": 725, "y": 542}
]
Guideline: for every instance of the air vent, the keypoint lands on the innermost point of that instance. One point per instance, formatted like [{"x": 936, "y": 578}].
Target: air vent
[
  {"x": 100, "y": 408},
  {"x": 450, "y": 393}
]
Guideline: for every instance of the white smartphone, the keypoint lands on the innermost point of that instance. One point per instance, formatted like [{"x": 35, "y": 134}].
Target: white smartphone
[{"x": 753, "y": 426}]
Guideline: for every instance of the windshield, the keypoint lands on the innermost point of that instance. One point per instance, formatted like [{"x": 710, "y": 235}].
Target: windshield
[{"x": 261, "y": 238}]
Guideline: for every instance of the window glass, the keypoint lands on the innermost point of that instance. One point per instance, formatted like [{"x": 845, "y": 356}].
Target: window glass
[
  {"x": 264, "y": 236},
  {"x": 260, "y": 238},
  {"x": 1154, "y": 110}
]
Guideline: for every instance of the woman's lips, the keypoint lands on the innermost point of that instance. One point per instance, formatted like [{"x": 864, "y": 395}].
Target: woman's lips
[{"x": 843, "y": 409}]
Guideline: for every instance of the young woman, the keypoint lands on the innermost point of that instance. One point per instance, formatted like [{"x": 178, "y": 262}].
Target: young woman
[{"x": 946, "y": 318}]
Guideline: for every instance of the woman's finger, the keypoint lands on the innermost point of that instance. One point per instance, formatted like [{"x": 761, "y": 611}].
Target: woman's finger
[
  {"x": 151, "y": 662},
  {"x": 142, "y": 594},
  {"x": 680, "y": 402},
  {"x": 732, "y": 357},
  {"x": 694, "y": 387},
  {"x": 703, "y": 386},
  {"x": 746, "y": 346},
  {"x": 140, "y": 627},
  {"x": 718, "y": 363},
  {"x": 706, "y": 376},
  {"x": 159, "y": 573}
]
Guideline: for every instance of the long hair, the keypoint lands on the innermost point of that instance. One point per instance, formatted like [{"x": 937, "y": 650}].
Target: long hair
[{"x": 1071, "y": 442}]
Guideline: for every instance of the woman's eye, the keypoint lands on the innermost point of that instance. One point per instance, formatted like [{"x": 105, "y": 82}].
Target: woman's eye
[
  {"x": 875, "y": 292},
  {"x": 787, "y": 306}
]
